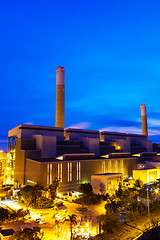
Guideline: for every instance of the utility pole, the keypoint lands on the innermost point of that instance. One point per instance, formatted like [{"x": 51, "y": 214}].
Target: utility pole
[{"x": 148, "y": 202}]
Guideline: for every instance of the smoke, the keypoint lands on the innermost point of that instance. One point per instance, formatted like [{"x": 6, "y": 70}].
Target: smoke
[
  {"x": 3, "y": 141},
  {"x": 81, "y": 125}
]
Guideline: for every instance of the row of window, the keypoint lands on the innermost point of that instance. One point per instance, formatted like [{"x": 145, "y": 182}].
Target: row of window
[
  {"x": 60, "y": 170},
  {"x": 113, "y": 168}
]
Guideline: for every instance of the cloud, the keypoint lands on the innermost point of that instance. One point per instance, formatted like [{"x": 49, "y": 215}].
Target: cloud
[
  {"x": 153, "y": 122},
  {"x": 122, "y": 129},
  {"x": 3, "y": 141},
  {"x": 81, "y": 125},
  {"x": 153, "y": 132},
  {"x": 29, "y": 123},
  {"x": 135, "y": 130}
]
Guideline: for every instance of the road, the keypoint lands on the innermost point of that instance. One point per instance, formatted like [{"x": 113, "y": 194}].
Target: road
[{"x": 60, "y": 230}]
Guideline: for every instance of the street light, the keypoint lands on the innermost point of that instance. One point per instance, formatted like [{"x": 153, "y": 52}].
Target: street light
[{"x": 148, "y": 202}]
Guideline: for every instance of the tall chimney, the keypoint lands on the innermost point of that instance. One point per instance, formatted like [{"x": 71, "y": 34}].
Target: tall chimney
[
  {"x": 60, "y": 97},
  {"x": 144, "y": 120}
]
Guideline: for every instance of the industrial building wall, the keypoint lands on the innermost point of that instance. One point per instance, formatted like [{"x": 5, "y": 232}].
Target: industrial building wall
[
  {"x": 72, "y": 173},
  {"x": 33, "y": 172},
  {"x": 19, "y": 163}
]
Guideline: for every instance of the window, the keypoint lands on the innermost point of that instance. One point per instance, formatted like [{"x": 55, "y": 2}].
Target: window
[
  {"x": 78, "y": 172},
  {"x": 69, "y": 172},
  {"x": 103, "y": 166},
  {"x": 49, "y": 174},
  {"x": 60, "y": 172}
]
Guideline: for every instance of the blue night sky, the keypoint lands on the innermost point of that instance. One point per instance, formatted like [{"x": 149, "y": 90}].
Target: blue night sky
[{"x": 111, "y": 54}]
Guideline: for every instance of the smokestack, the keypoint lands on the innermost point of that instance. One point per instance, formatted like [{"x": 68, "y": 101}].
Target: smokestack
[
  {"x": 60, "y": 97},
  {"x": 144, "y": 120}
]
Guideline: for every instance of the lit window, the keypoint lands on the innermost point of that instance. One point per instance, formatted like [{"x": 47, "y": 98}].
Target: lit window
[
  {"x": 78, "y": 172},
  {"x": 69, "y": 172},
  {"x": 60, "y": 172},
  {"x": 47, "y": 174}
]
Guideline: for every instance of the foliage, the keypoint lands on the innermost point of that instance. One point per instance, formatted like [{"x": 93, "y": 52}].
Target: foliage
[
  {"x": 81, "y": 209},
  {"x": 28, "y": 234},
  {"x": 88, "y": 197},
  {"x": 91, "y": 199},
  {"x": 72, "y": 221},
  {"x": 86, "y": 189},
  {"x": 53, "y": 188},
  {"x": 113, "y": 206},
  {"x": 138, "y": 183},
  {"x": 119, "y": 191},
  {"x": 34, "y": 196},
  {"x": 4, "y": 214},
  {"x": 109, "y": 222},
  {"x": 8, "y": 216}
]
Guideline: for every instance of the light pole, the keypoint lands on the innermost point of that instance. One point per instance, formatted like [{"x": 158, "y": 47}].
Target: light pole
[{"x": 148, "y": 202}]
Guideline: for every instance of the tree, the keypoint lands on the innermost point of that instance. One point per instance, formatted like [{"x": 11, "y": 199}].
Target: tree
[
  {"x": 86, "y": 189},
  {"x": 4, "y": 214},
  {"x": 28, "y": 234},
  {"x": 37, "y": 193},
  {"x": 138, "y": 183},
  {"x": 110, "y": 222},
  {"x": 119, "y": 192},
  {"x": 53, "y": 188},
  {"x": 33, "y": 196},
  {"x": 72, "y": 220},
  {"x": 113, "y": 206}
]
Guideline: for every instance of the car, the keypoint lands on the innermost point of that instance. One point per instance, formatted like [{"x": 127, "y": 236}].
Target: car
[
  {"x": 42, "y": 222},
  {"x": 59, "y": 217},
  {"x": 38, "y": 220}
]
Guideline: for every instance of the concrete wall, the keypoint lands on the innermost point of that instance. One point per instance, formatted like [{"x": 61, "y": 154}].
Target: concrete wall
[
  {"x": 47, "y": 145},
  {"x": 92, "y": 144},
  {"x": 111, "y": 136},
  {"x": 99, "y": 184},
  {"x": 25, "y": 131},
  {"x": 124, "y": 144},
  {"x": 103, "y": 184},
  {"x": 75, "y": 134}
]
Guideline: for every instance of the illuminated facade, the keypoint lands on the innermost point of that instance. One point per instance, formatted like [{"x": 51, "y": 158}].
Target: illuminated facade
[
  {"x": 7, "y": 167},
  {"x": 72, "y": 155},
  {"x": 147, "y": 175},
  {"x": 106, "y": 182}
]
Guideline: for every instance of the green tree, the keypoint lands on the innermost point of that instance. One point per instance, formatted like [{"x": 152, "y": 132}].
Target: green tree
[
  {"x": 28, "y": 234},
  {"x": 72, "y": 221},
  {"x": 138, "y": 183},
  {"x": 33, "y": 196},
  {"x": 86, "y": 189},
  {"x": 4, "y": 214},
  {"x": 119, "y": 192},
  {"x": 110, "y": 222},
  {"x": 37, "y": 192},
  {"x": 53, "y": 188},
  {"x": 113, "y": 206}
]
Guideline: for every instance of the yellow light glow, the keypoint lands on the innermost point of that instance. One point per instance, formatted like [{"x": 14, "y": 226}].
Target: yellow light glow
[
  {"x": 82, "y": 229},
  {"x": 105, "y": 156}
]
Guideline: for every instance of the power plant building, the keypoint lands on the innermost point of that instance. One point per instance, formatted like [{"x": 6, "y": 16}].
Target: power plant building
[
  {"x": 75, "y": 156},
  {"x": 42, "y": 153}
]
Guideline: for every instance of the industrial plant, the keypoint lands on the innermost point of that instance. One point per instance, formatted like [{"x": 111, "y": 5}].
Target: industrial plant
[{"x": 39, "y": 154}]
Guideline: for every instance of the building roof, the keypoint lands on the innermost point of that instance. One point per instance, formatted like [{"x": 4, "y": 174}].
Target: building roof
[
  {"x": 81, "y": 130},
  {"x": 146, "y": 168},
  {"x": 35, "y": 127},
  {"x": 106, "y": 174}
]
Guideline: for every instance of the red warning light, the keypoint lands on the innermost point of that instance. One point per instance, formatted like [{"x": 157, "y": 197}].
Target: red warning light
[{"x": 60, "y": 68}]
